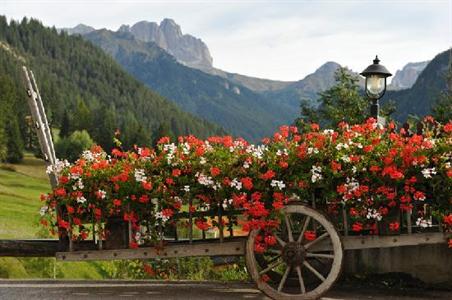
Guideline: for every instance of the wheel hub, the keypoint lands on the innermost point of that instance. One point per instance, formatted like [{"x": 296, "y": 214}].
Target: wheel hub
[{"x": 293, "y": 254}]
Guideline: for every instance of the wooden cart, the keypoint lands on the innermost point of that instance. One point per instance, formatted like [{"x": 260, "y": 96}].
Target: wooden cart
[{"x": 304, "y": 263}]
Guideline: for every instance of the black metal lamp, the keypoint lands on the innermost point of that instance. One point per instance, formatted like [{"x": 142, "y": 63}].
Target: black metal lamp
[{"x": 376, "y": 75}]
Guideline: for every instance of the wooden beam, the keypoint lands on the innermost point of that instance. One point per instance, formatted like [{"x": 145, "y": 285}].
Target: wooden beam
[
  {"x": 378, "y": 241},
  {"x": 28, "y": 248},
  {"x": 234, "y": 247}
]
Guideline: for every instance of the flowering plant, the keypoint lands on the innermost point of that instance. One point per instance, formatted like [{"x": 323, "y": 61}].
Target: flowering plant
[{"x": 370, "y": 171}]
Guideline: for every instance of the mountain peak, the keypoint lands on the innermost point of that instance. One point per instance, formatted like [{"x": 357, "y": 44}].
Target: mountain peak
[
  {"x": 124, "y": 28},
  {"x": 187, "y": 49},
  {"x": 170, "y": 29},
  {"x": 329, "y": 66},
  {"x": 79, "y": 29},
  {"x": 168, "y": 22}
]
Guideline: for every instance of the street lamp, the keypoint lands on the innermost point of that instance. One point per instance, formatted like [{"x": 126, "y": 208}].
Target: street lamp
[{"x": 376, "y": 75}]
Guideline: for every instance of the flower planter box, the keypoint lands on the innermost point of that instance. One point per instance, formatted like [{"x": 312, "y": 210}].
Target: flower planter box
[{"x": 117, "y": 233}]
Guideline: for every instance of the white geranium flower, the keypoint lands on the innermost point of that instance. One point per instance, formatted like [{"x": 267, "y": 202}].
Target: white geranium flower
[
  {"x": 43, "y": 210},
  {"x": 316, "y": 174},
  {"x": 423, "y": 223},
  {"x": 237, "y": 184},
  {"x": 280, "y": 184},
  {"x": 81, "y": 200},
  {"x": 373, "y": 214},
  {"x": 205, "y": 180},
  {"x": 428, "y": 172},
  {"x": 140, "y": 175}
]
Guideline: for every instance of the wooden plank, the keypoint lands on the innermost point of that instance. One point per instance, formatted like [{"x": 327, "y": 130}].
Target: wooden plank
[
  {"x": 28, "y": 248},
  {"x": 344, "y": 220},
  {"x": 227, "y": 248},
  {"x": 408, "y": 222},
  {"x": 367, "y": 242}
]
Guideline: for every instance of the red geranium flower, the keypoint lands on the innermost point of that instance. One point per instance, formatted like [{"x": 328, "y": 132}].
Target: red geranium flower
[
  {"x": 259, "y": 248},
  {"x": 310, "y": 235},
  {"x": 60, "y": 192},
  {"x": 448, "y": 220},
  {"x": 448, "y": 127},
  {"x": 247, "y": 183},
  {"x": 164, "y": 140},
  {"x": 268, "y": 175},
  {"x": 176, "y": 172},
  {"x": 167, "y": 212},
  {"x": 394, "y": 226},
  {"x": 214, "y": 171},
  {"x": 357, "y": 227},
  {"x": 270, "y": 240},
  {"x": 143, "y": 199},
  {"x": 146, "y": 185}
]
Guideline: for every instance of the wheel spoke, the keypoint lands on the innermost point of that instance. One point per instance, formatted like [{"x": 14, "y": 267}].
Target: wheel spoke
[
  {"x": 283, "y": 280},
  {"x": 311, "y": 268},
  {"x": 305, "y": 226},
  {"x": 273, "y": 259},
  {"x": 271, "y": 266},
  {"x": 320, "y": 255},
  {"x": 280, "y": 241},
  {"x": 310, "y": 244},
  {"x": 300, "y": 278},
  {"x": 274, "y": 251},
  {"x": 289, "y": 227}
]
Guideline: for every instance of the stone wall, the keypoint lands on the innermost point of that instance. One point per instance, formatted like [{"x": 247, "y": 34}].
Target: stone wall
[{"x": 429, "y": 263}]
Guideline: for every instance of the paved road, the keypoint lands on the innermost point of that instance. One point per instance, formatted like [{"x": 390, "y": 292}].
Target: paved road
[{"x": 181, "y": 290}]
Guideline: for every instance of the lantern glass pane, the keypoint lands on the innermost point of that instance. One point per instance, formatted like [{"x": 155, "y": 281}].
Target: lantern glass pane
[{"x": 375, "y": 85}]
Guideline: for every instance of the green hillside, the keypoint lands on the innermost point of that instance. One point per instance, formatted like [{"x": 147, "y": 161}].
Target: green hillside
[
  {"x": 239, "y": 110},
  {"x": 78, "y": 78},
  {"x": 20, "y": 188}
]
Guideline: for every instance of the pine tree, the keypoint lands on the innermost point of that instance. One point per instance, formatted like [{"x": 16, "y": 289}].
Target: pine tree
[
  {"x": 104, "y": 132},
  {"x": 162, "y": 131},
  {"x": 65, "y": 125},
  {"x": 82, "y": 116},
  {"x": 14, "y": 143},
  {"x": 11, "y": 144},
  {"x": 342, "y": 102}
]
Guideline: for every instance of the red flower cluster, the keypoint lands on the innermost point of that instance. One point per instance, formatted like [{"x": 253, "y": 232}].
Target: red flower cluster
[{"x": 371, "y": 172}]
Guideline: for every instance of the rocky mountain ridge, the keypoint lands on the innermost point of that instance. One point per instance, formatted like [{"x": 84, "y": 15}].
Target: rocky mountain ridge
[
  {"x": 405, "y": 78},
  {"x": 168, "y": 35}
]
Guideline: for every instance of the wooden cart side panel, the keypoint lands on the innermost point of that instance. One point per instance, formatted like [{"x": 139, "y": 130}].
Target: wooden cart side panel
[{"x": 230, "y": 248}]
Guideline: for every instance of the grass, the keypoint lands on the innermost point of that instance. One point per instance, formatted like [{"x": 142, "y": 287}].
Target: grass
[{"x": 20, "y": 188}]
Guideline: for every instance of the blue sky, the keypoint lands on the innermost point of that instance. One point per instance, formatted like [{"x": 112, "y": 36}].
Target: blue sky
[{"x": 284, "y": 40}]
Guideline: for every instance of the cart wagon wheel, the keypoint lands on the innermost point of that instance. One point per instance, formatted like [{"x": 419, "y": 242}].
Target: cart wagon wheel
[{"x": 308, "y": 252}]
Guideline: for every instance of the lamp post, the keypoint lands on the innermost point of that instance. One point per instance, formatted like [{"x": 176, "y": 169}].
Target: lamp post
[{"x": 375, "y": 75}]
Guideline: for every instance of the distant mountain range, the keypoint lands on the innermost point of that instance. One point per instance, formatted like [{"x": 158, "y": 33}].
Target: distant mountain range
[
  {"x": 239, "y": 110},
  {"x": 405, "y": 78},
  {"x": 418, "y": 99},
  {"x": 170, "y": 62}
]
